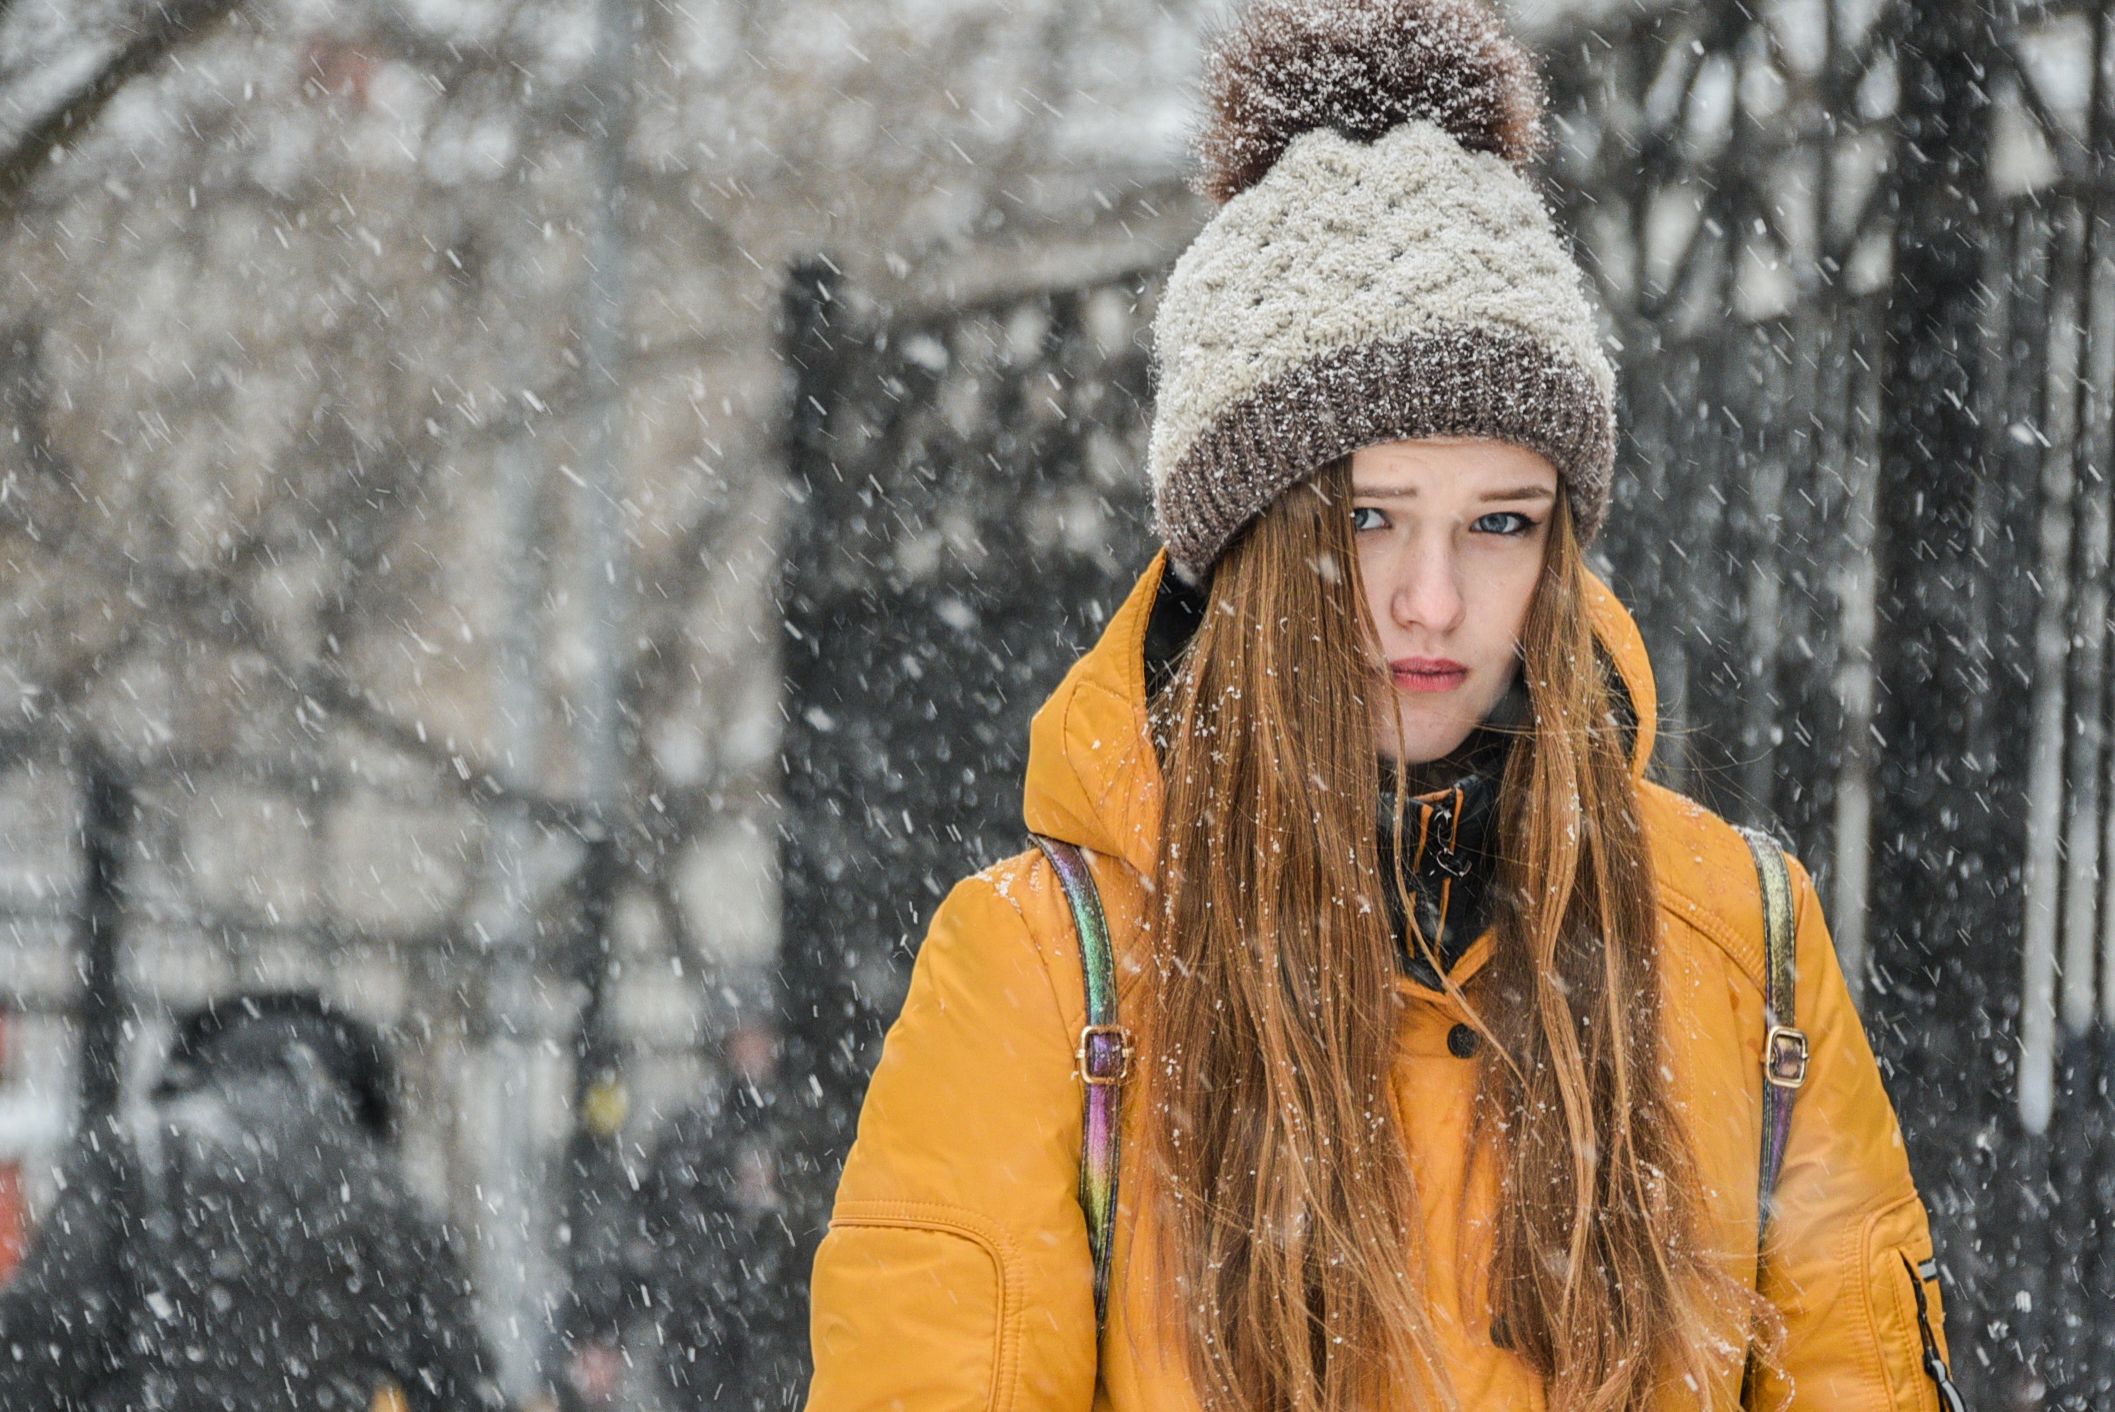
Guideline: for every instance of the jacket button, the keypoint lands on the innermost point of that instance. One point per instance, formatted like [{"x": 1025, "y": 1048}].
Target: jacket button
[{"x": 1462, "y": 1042}]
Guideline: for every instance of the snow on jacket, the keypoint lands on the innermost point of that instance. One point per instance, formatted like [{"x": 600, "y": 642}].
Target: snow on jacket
[{"x": 956, "y": 1271}]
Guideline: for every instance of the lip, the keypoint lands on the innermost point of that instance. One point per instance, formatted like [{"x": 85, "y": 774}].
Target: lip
[{"x": 1427, "y": 673}]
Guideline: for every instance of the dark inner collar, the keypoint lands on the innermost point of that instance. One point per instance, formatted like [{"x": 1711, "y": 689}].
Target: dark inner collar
[{"x": 1449, "y": 837}]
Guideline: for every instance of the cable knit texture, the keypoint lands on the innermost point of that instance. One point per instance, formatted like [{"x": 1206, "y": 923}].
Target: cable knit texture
[
  {"x": 1360, "y": 294},
  {"x": 1383, "y": 268}
]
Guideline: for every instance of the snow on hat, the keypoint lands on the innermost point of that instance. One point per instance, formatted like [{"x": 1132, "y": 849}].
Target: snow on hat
[{"x": 1380, "y": 267}]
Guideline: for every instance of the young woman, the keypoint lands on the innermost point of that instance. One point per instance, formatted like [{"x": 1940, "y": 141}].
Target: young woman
[{"x": 1445, "y": 1084}]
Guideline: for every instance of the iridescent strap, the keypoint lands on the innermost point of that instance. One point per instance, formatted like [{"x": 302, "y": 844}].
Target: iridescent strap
[
  {"x": 1784, "y": 1053},
  {"x": 1102, "y": 1061}
]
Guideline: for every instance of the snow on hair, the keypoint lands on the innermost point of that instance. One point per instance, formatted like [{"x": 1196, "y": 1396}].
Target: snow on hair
[{"x": 1362, "y": 67}]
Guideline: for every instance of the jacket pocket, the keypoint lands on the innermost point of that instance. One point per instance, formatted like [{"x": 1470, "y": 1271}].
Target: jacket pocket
[
  {"x": 1907, "y": 1310},
  {"x": 912, "y": 1305}
]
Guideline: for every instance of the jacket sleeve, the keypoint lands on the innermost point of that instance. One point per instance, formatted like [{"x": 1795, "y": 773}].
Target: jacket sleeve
[
  {"x": 955, "y": 1274},
  {"x": 1848, "y": 1257}
]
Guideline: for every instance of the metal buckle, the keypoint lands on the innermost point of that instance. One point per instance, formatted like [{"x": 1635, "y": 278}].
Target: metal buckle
[
  {"x": 1784, "y": 1057},
  {"x": 1082, "y": 1065}
]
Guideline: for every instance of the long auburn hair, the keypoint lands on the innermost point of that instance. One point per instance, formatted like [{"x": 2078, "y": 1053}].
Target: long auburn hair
[{"x": 1290, "y": 1233}]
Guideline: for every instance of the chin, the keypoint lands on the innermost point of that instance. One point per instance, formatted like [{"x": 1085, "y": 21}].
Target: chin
[
  {"x": 1432, "y": 725},
  {"x": 1421, "y": 746}
]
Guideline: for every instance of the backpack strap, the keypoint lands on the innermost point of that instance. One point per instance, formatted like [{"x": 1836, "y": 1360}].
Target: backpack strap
[
  {"x": 1102, "y": 1061},
  {"x": 1784, "y": 1052}
]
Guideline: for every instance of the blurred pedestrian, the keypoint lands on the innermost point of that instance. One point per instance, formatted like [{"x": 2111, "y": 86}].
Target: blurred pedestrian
[
  {"x": 245, "y": 1239},
  {"x": 715, "y": 1255}
]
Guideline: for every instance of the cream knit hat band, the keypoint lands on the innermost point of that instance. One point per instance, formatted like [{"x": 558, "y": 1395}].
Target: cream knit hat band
[{"x": 1362, "y": 292}]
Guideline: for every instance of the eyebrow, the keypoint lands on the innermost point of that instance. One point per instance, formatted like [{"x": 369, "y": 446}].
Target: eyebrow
[{"x": 1409, "y": 492}]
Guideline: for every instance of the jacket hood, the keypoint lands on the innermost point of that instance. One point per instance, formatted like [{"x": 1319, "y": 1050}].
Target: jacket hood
[{"x": 1094, "y": 780}]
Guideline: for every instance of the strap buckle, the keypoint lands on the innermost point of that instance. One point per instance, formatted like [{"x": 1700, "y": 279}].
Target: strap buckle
[
  {"x": 1784, "y": 1057},
  {"x": 1090, "y": 1060},
  {"x": 1934, "y": 1363}
]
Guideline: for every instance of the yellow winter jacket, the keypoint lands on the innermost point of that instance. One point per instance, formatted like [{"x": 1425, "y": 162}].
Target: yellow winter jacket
[{"x": 956, "y": 1274}]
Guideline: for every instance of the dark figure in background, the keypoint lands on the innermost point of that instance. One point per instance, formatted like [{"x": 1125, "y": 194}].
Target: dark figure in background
[
  {"x": 708, "y": 1259},
  {"x": 729, "y": 1333},
  {"x": 247, "y": 1241}
]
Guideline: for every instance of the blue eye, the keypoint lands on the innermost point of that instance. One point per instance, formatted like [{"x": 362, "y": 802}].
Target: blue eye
[{"x": 1522, "y": 525}]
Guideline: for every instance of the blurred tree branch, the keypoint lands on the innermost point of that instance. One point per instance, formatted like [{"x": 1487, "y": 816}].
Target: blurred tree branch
[{"x": 79, "y": 84}]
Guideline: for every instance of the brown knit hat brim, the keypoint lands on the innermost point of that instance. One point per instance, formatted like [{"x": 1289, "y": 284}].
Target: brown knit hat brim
[{"x": 1441, "y": 380}]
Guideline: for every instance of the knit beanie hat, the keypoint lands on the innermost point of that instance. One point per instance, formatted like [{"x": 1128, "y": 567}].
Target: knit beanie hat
[{"x": 1380, "y": 267}]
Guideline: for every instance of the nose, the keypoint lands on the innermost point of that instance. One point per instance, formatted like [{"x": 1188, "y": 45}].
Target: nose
[{"x": 1427, "y": 589}]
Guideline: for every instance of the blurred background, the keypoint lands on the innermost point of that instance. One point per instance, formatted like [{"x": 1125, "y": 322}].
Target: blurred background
[{"x": 544, "y": 521}]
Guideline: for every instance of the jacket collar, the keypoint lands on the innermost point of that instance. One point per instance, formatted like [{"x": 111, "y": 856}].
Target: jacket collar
[{"x": 1093, "y": 778}]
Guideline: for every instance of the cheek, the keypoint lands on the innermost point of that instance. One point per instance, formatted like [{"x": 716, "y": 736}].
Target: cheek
[
  {"x": 1374, "y": 577},
  {"x": 1511, "y": 595},
  {"x": 1524, "y": 596}
]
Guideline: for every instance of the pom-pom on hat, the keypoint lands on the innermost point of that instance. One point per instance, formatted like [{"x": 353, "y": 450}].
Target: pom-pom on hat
[{"x": 1380, "y": 268}]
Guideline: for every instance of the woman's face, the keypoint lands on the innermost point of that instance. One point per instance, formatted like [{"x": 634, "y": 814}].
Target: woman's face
[{"x": 1450, "y": 534}]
